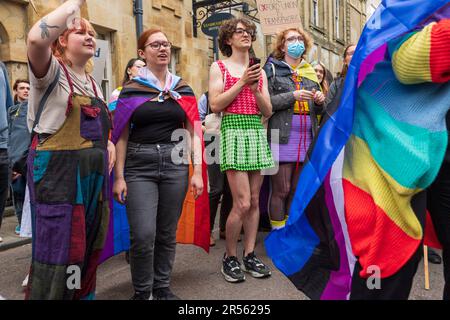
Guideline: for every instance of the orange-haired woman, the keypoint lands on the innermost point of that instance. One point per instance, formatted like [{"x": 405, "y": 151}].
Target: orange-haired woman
[{"x": 70, "y": 157}]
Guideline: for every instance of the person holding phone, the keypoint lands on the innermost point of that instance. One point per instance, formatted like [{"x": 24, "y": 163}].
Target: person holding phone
[
  {"x": 297, "y": 102},
  {"x": 240, "y": 92}
]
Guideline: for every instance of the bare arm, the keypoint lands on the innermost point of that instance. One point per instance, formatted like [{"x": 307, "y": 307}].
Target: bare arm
[
  {"x": 120, "y": 186},
  {"x": 220, "y": 100},
  {"x": 263, "y": 96},
  {"x": 121, "y": 152},
  {"x": 196, "y": 145},
  {"x": 45, "y": 32}
]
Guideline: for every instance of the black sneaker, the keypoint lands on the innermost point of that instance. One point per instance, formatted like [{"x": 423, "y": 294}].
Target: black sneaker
[
  {"x": 434, "y": 257},
  {"x": 231, "y": 269},
  {"x": 255, "y": 267},
  {"x": 141, "y": 295},
  {"x": 164, "y": 294}
]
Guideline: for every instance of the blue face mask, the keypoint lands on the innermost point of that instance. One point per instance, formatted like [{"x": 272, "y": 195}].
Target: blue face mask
[{"x": 296, "y": 49}]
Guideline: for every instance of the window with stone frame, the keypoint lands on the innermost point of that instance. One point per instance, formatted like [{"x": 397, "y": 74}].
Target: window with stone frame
[
  {"x": 338, "y": 19},
  {"x": 318, "y": 13},
  {"x": 3, "y": 35},
  {"x": 174, "y": 60}
]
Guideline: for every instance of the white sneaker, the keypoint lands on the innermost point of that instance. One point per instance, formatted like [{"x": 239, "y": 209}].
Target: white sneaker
[
  {"x": 1, "y": 239},
  {"x": 25, "y": 282}
]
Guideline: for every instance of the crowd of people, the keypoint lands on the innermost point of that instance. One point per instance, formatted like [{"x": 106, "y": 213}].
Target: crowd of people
[{"x": 63, "y": 147}]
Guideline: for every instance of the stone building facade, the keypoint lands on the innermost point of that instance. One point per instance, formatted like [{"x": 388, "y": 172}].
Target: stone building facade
[
  {"x": 115, "y": 24},
  {"x": 332, "y": 23}
]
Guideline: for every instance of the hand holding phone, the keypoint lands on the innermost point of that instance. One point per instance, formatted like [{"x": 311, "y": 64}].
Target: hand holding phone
[{"x": 254, "y": 61}]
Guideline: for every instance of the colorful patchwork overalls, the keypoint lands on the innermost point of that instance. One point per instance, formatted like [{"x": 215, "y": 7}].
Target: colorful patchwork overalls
[{"x": 68, "y": 182}]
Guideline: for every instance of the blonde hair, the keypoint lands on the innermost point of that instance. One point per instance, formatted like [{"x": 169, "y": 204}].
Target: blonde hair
[{"x": 280, "y": 40}]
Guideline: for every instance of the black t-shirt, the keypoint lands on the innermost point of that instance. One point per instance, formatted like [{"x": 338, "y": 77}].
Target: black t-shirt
[{"x": 154, "y": 122}]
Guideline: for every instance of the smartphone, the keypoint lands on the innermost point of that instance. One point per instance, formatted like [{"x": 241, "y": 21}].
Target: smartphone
[{"x": 254, "y": 61}]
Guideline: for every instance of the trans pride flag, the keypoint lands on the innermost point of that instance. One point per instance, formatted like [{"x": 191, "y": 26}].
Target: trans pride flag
[
  {"x": 360, "y": 192},
  {"x": 193, "y": 225}
]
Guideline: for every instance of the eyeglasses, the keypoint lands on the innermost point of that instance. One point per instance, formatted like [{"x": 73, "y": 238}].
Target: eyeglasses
[
  {"x": 294, "y": 38},
  {"x": 157, "y": 45},
  {"x": 240, "y": 32}
]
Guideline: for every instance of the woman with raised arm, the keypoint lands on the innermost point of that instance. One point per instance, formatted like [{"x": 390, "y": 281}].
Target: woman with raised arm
[{"x": 70, "y": 157}]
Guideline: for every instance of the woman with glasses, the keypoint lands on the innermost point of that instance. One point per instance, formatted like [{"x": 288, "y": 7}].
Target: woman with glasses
[
  {"x": 151, "y": 175},
  {"x": 297, "y": 102},
  {"x": 240, "y": 92}
]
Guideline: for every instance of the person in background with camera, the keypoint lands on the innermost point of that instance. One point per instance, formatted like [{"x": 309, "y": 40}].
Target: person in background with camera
[
  {"x": 297, "y": 102},
  {"x": 239, "y": 90},
  {"x": 18, "y": 143}
]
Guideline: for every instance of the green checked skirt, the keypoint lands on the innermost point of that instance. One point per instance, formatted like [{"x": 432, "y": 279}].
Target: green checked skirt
[{"x": 243, "y": 144}]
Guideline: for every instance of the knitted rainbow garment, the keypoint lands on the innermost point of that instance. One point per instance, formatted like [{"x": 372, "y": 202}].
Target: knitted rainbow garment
[{"x": 365, "y": 200}]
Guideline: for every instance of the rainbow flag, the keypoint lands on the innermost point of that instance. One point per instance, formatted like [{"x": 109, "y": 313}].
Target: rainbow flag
[
  {"x": 360, "y": 192},
  {"x": 193, "y": 225}
]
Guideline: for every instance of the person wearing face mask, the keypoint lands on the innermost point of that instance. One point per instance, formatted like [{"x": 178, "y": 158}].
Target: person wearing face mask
[
  {"x": 131, "y": 71},
  {"x": 297, "y": 102},
  {"x": 70, "y": 157}
]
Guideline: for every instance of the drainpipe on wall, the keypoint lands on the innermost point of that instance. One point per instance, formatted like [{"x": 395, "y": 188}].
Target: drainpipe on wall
[{"x": 138, "y": 11}]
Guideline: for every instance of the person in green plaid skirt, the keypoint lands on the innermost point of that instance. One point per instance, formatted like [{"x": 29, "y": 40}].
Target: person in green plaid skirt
[{"x": 238, "y": 88}]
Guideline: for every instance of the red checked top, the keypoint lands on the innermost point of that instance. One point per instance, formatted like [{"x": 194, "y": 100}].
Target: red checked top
[{"x": 245, "y": 102}]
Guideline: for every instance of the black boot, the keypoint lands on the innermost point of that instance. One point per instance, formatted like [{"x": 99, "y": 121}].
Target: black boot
[{"x": 434, "y": 257}]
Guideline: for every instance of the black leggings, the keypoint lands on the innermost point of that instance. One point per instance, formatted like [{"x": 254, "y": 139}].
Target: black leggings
[{"x": 438, "y": 198}]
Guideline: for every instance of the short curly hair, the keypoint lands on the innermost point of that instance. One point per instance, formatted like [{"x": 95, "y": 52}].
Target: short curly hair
[
  {"x": 280, "y": 40},
  {"x": 226, "y": 32}
]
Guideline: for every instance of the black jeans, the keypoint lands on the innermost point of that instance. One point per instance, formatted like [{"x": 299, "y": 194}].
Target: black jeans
[
  {"x": 439, "y": 207},
  {"x": 396, "y": 287},
  {"x": 18, "y": 187},
  {"x": 156, "y": 191},
  {"x": 4, "y": 181}
]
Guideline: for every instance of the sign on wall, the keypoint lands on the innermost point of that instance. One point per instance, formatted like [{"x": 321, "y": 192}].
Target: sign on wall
[
  {"x": 277, "y": 15},
  {"x": 100, "y": 57},
  {"x": 211, "y": 26}
]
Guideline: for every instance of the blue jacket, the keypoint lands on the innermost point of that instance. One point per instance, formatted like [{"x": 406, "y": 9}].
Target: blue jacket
[
  {"x": 19, "y": 136},
  {"x": 5, "y": 102}
]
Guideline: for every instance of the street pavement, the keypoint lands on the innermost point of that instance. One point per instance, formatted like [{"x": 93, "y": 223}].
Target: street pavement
[{"x": 196, "y": 276}]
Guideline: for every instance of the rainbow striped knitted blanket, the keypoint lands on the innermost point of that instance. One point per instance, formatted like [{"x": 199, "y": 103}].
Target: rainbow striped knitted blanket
[{"x": 360, "y": 192}]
